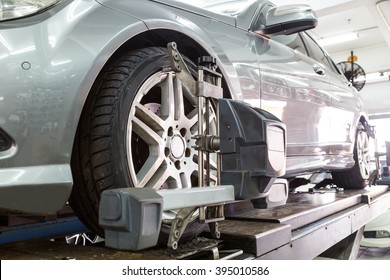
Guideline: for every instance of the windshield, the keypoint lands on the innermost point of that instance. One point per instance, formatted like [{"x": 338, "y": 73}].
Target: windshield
[{"x": 227, "y": 7}]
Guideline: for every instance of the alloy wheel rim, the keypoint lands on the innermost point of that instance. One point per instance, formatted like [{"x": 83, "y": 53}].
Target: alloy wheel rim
[
  {"x": 363, "y": 155},
  {"x": 160, "y": 136}
]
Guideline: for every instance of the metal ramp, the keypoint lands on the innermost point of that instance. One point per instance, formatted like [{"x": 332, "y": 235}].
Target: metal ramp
[{"x": 327, "y": 223}]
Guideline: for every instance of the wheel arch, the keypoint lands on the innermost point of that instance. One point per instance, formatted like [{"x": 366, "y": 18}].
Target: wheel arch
[
  {"x": 365, "y": 122},
  {"x": 148, "y": 38},
  {"x": 362, "y": 119},
  {"x": 160, "y": 37}
]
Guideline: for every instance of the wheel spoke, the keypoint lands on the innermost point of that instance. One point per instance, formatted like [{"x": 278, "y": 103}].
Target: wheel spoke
[
  {"x": 213, "y": 167},
  {"x": 365, "y": 169},
  {"x": 213, "y": 163},
  {"x": 147, "y": 134},
  {"x": 213, "y": 170},
  {"x": 185, "y": 179},
  {"x": 179, "y": 100},
  {"x": 176, "y": 180},
  {"x": 363, "y": 154},
  {"x": 156, "y": 157},
  {"x": 149, "y": 118},
  {"x": 366, "y": 165},
  {"x": 168, "y": 98},
  {"x": 153, "y": 173},
  {"x": 190, "y": 96},
  {"x": 193, "y": 120},
  {"x": 213, "y": 178}
]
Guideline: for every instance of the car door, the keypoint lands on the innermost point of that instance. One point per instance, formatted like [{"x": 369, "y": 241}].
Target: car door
[
  {"x": 295, "y": 88},
  {"x": 348, "y": 102},
  {"x": 346, "y": 105}
]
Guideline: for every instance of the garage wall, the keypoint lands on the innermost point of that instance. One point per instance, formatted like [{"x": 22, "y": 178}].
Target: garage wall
[{"x": 377, "y": 97}]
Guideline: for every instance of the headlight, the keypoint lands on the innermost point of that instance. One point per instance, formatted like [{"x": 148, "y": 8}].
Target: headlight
[
  {"x": 12, "y": 9},
  {"x": 382, "y": 234}
]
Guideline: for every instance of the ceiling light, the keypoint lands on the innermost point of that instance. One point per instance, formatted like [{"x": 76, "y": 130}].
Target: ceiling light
[
  {"x": 338, "y": 39},
  {"x": 377, "y": 77},
  {"x": 384, "y": 10}
]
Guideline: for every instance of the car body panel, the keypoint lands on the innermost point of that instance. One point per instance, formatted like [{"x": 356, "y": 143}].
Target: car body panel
[
  {"x": 35, "y": 189},
  {"x": 219, "y": 37},
  {"x": 311, "y": 144},
  {"x": 49, "y": 62},
  {"x": 46, "y": 73}
]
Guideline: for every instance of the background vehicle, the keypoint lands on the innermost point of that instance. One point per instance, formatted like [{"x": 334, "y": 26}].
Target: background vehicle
[
  {"x": 377, "y": 232},
  {"x": 89, "y": 105}
]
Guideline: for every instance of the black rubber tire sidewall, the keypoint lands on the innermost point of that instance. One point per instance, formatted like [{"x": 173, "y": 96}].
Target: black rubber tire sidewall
[{"x": 352, "y": 178}]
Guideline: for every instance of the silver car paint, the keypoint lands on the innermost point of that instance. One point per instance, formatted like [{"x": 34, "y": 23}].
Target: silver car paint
[
  {"x": 49, "y": 62},
  {"x": 320, "y": 111},
  {"x": 310, "y": 146},
  {"x": 47, "y": 66}
]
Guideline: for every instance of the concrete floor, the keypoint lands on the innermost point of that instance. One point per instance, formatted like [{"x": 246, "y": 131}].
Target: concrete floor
[
  {"x": 48, "y": 250},
  {"x": 60, "y": 250}
]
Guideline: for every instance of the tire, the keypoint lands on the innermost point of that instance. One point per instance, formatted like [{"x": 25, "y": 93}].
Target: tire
[
  {"x": 357, "y": 177},
  {"x": 136, "y": 130}
]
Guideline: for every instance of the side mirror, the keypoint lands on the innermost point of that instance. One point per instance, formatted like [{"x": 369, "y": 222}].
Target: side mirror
[{"x": 286, "y": 20}]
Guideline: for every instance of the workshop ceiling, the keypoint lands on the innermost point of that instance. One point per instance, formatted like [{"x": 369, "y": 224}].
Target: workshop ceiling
[{"x": 369, "y": 20}]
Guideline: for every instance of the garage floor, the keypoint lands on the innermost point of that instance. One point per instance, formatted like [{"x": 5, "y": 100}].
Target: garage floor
[
  {"x": 58, "y": 250},
  {"x": 48, "y": 250},
  {"x": 43, "y": 249}
]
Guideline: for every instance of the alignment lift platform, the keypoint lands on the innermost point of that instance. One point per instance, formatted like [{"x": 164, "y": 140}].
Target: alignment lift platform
[
  {"x": 326, "y": 223},
  {"x": 329, "y": 223}
]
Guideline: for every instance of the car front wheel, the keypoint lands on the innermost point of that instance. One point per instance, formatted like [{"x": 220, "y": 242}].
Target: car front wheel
[{"x": 136, "y": 130}]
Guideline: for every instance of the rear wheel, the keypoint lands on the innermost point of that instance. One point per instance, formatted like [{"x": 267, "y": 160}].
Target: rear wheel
[
  {"x": 136, "y": 130},
  {"x": 357, "y": 177}
]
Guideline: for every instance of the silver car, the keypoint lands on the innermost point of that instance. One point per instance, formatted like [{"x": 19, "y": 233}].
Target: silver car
[{"x": 88, "y": 101}]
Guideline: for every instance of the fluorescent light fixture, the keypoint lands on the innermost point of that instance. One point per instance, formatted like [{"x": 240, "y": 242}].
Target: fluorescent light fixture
[
  {"x": 384, "y": 11},
  {"x": 377, "y": 77},
  {"x": 338, "y": 39}
]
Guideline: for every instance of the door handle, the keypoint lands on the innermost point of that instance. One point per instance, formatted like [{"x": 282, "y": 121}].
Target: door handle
[{"x": 318, "y": 69}]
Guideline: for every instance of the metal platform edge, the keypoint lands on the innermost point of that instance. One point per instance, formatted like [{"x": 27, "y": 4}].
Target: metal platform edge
[
  {"x": 304, "y": 228},
  {"x": 310, "y": 241}
]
